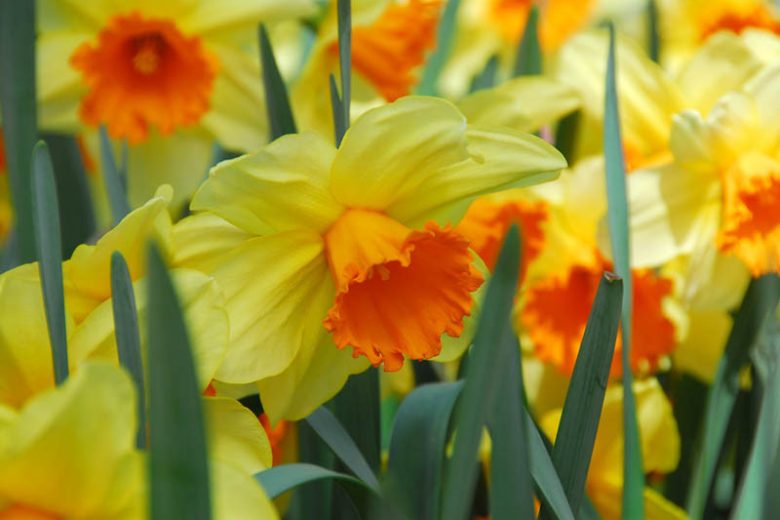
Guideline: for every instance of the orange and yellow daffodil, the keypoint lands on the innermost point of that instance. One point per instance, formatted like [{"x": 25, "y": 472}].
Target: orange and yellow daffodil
[{"x": 363, "y": 256}]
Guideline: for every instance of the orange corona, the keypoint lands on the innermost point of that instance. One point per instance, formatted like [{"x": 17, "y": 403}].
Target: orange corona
[
  {"x": 141, "y": 73},
  {"x": 557, "y": 308},
  {"x": 398, "y": 290},
  {"x": 388, "y": 51}
]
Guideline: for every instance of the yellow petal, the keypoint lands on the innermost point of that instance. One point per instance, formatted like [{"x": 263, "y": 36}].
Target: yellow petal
[
  {"x": 669, "y": 209},
  {"x": 236, "y": 437},
  {"x": 72, "y": 14},
  {"x": 181, "y": 160},
  {"x": 25, "y": 351},
  {"x": 69, "y": 447},
  {"x": 277, "y": 291},
  {"x": 191, "y": 250},
  {"x": 499, "y": 159},
  {"x": 525, "y": 104},
  {"x": 59, "y": 85},
  {"x": 87, "y": 275},
  {"x": 237, "y": 116},
  {"x": 723, "y": 63},
  {"x": 659, "y": 508},
  {"x": 204, "y": 312},
  {"x": 253, "y": 192},
  {"x": 648, "y": 98},
  {"x": 238, "y": 496},
  {"x": 391, "y": 150},
  {"x": 764, "y": 90},
  {"x": 208, "y": 16},
  {"x": 316, "y": 374},
  {"x": 700, "y": 350}
]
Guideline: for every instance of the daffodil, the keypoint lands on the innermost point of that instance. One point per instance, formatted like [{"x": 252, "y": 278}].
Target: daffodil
[
  {"x": 322, "y": 248},
  {"x": 562, "y": 266},
  {"x": 686, "y": 24},
  {"x": 487, "y": 28},
  {"x": 167, "y": 77},
  {"x": 390, "y": 39},
  {"x": 660, "y": 445},
  {"x": 70, "y": 453}
]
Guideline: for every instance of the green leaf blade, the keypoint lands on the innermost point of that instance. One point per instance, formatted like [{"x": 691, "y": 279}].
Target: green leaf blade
[
  {"x": 277, "y": 100},
  {"x": 336, "y": 437},
  {"x": 481, "y": 386},
  {"x": 46, "y": 225},
  {"x": 114, "y": 177},
  {"x": 438, "y": 58},
  {"x": 579, "y": 421},
  {"x": 128, "y": 338},
  {"x": 178, "y": 464},
  {"x": 280, "y": 479},
  {"x": 417, "y": 448},
  {"x": 529, "y": 53},
  {"x": 19, "y": 108},
  {"x": 617, "y": 216}
]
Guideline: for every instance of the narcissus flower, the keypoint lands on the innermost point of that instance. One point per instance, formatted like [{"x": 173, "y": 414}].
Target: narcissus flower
[
  {"x": 6, "y": 211},
  {"x": 724, "y": 183},
  {"x": 168, "y": 77},
  {"x": 363, "y": 256}
]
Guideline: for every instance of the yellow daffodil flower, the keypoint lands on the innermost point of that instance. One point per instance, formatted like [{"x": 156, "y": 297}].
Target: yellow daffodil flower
[
  {"x": 660, "y": 444},
  {"x": 168, "y": 77},
  {"x": 69, "y": 452},
  {"x": 390, "y": 39},
  {"x": 487, "y": 28},
  {"x": 363, "y": 256},
  {"x": 562, "y": 264}
]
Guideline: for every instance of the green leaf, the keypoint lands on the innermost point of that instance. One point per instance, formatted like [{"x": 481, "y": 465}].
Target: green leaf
[
  {"x": 344, "y": 15},
  {"x": 481, "y": 387},
  {"x": 18, "y": 106},
  {"x": 445, "y": 36},
  {"x": 128, "y": 339},
  {"x": 114, "y": 177},
  {"x": 759, "y": 302},
  {"x": 582, "y": 408},
  {"x": 277, "y": 102},
  {"x": 417, "y": 448},
  {"x": 487, "y": 77},
  {"x": 511, "y": 488},
  {"x": 357, "y": 408},
  {"x": 314, "y": 500},
  {"x": 529, "y": 54},
  {"x": 754, "y": 485},
  {"x": 566, "y": 135},
  {"x": 333, "y": 433},
  {"x": 340, "y": 124},
  {"x": 279, "y": 479},
  {"x": 548, "y": 485},
  {"x": 341, "y": 103},
  {"x": 617, "y": 216},
  {"x": 653, "y": 36},
  {"x": 179, "y": 473},
  {"x": 77, "y": 215},
  {"x": 46, "y": 222}
]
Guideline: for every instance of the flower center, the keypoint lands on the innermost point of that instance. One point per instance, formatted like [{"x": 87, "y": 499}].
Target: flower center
[
  {"x": 388, "y": 51},
  {"x": 23, "y": 512},
  {"x": 487, "y": 221},
  {"x": 734, "y": 20},
  {"x": 144, "y": 72},
  {"x": 398, "y": 290},
  {"x": 751, "y": 220},
  {"x": 557, "y": 308}
]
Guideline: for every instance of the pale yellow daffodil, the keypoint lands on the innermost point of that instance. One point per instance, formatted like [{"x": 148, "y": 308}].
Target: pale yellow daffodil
[
  {"x": 350, "y": 246},
  {"x": 169, "y": 77}
]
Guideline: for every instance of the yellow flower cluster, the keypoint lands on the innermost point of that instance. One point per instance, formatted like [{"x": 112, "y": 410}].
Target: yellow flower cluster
[{"x": 299, "y": 263}]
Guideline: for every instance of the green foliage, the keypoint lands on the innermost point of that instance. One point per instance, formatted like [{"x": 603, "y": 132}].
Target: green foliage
[
  {"x": 179, "y": 471},
  {"x": 277, "y": 102},
  {"x": 46, "y": 223}
]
